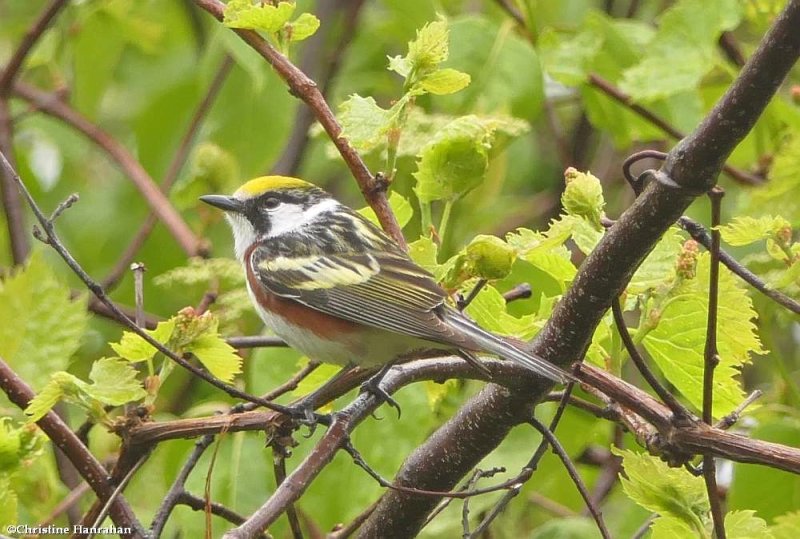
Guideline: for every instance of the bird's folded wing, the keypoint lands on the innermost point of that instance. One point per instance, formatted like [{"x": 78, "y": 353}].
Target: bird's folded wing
[{"x": 380, "y": 289}]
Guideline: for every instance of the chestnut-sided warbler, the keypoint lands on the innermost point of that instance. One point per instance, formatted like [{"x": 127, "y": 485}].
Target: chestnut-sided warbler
[{"x": 338, "y": 289}]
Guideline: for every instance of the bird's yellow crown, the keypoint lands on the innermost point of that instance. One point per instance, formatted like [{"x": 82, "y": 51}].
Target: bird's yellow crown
[{"x": 261, "y": 185}]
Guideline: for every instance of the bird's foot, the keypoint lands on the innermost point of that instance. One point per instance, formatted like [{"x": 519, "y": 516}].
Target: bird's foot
[
  {"x": 373, "y": 387},
  {"x": 303, "y": 414}
]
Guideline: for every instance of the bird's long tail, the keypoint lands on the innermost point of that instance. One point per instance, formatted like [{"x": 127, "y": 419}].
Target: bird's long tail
[{"x": 497, "y": 345}]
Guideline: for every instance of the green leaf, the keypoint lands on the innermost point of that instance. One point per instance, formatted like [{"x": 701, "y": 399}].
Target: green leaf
[
  {"x": 546, "y": 251},
  {"x": 217, "y": 356},
  {"x": 745, "y": 525},
  {"x": 364, "y": 123},
  {"x": 746, "y": 230},
  {"x": 488, "y": 309},
  {"x": 585, "y": 233},
  {"x": 450, "y": 168},
  {"x": 786, "y": 526},
  {"x": 424, "y": 252},
  {"x": 401, "y": 208},
  {"x": 40, "y": 326},
  {"x": 133, "y": 348},
  {"x": 443, "y": 82},
  {"x": 430, "y": 48},
  {"x": 261, "y": 16},
  {"x": 659, "y": 266},
  {"x": 114, "y": 382},
  {"x": 303, "y": 27},
  {"x": 688, "y": 30},
  {"x": 670, "y": 528},
  {"x": 60, "y": 384},
  {"x": 670, "y": 492},
  {"x": 678, "y": 341}
]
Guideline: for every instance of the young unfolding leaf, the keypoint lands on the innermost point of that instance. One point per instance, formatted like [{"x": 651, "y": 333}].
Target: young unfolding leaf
[
  {"x": 442, "y": 82},
  {"x": 670, "y": 492},
  {"x": 425, "y": 53},
  {"x": 677, "y": 342},
  {"x": 114, "y": 383},
  {"x": 261, "y": 16},
  {"x": 786, "y": 526},
  {"x": 744, "y": 230},
  {"x": 450, "y": 168},
  {"x": 364, "y": 123},
  {"x": 216, "y": 355},
  {"x": 746, "y": 525},
  {"x": 133, "y": 348}
]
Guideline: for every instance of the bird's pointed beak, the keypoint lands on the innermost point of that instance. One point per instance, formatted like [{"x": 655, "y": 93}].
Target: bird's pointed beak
[{"x": 223, "y": 202}]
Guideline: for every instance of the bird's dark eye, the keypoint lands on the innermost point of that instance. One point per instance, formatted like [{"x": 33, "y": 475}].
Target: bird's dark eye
[{"x": 271, "y": 203}]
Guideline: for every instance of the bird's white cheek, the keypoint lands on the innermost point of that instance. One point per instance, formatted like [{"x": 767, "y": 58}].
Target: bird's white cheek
[{"x": 244, "y": 235}]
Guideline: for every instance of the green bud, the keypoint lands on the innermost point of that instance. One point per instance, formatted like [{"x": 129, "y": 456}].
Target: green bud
[
  {"x": 583, "y": 195},
  {"x": 489, "y": 257}
]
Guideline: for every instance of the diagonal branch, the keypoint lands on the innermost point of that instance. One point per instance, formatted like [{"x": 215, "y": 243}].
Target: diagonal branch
[{"x": 694, "y": 164}]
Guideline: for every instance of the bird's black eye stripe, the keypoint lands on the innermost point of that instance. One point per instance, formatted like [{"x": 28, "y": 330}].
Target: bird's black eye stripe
[{"x": 271, "y": 203}]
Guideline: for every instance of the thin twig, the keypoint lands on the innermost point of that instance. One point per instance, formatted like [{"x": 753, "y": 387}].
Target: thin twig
[
  {"x": 711, "y": 357},
  {"x": 171, "y": 499},
  {"x": 681, "y": 413},
  {"x": 138, "y": 270},
  {"x": 117, "y": 492},
  {"x": 255, "y": 342},
  {"x": 532, "y": 465},
  {"x": 730, "y": 420},
  {"x": 573, "y": 474}
]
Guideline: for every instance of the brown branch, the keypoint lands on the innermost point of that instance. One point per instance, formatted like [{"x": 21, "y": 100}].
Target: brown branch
[
  {"x": 306, "y": 89},
  {"x": 711, "y": 360},
  {"x": 121, "y": 156},
  {"x": 320, "y": 66},
  {"x": 62, "y": 437},
  {"x": 696, "y": 438},
  {"x": 481, "y": 424}
]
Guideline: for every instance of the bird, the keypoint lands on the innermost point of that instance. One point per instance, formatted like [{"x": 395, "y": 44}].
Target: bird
[{"x": 338, "y": 289}]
